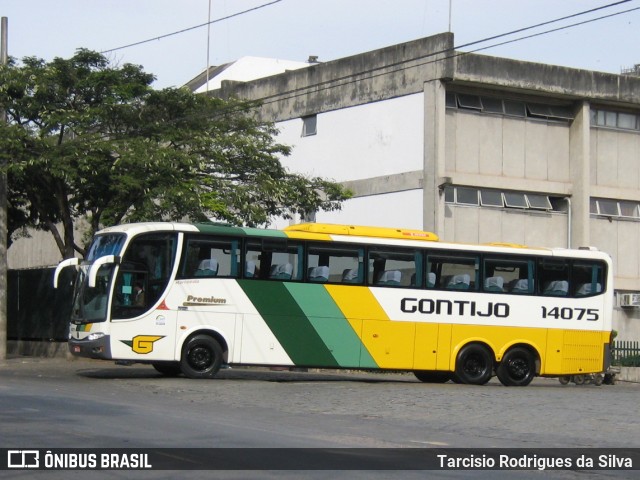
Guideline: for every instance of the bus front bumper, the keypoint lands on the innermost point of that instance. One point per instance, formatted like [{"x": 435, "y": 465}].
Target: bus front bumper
[{"x": 91, "y": 348}]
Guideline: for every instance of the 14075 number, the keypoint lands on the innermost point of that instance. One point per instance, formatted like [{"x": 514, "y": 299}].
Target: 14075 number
[{"x": 568, "y": 313}]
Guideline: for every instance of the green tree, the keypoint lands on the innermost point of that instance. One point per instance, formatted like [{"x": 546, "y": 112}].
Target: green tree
[{"x": 90, "y": 140}]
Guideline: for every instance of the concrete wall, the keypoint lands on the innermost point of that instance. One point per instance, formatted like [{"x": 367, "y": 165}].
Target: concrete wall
[
  {"x": 486, "y": 225},
  {"x": 372, "y": 140},
  {"x": 37, "y": 250},
  {"x": 506, "y": 148},
  {"x": 375, "y": 210},
  {"x": 615, "y": 157},
  {"x": 360, "y": 79}
]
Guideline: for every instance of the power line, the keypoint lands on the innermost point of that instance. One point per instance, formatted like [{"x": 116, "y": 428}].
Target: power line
[
  {"x": 405, "y": 64},
  {"x": 402, "y": 65},
  {"x": 192, "y": 28},
  {"x": 544, "y": 23},
  {"x": 555, "y": 29}
]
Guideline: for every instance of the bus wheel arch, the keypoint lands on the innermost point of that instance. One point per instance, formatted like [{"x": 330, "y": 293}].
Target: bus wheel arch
[
  {"x": 474, "y": 364},
  {"x": 519, "y": 366},
  {"x": 202, "y": 354}
]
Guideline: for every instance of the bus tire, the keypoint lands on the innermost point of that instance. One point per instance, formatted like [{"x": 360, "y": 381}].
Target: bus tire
[
  {"x": 474, "y": 364},
  {"x": 168, "y": 369},
  {"x": 201, "y": 357},
  {"x": 517, "y": 368},
  {"x": 428, "y": 376}
]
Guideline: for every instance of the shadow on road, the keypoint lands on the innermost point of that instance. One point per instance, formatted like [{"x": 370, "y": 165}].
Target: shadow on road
[{"x": 254, "y": 374}]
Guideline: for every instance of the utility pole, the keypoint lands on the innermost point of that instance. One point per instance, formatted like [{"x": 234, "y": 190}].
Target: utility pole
[{"x": 4, "y": 59}]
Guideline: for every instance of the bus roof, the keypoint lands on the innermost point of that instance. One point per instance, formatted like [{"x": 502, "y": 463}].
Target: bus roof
[
  {"x": 362, "y": 231},
  {"x": 353, "y": 233}
]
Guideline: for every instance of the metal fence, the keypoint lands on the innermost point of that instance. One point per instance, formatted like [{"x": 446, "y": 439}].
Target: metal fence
[
  {"x": 35, "y": 310},
  {"x": 626, "y": 353}
]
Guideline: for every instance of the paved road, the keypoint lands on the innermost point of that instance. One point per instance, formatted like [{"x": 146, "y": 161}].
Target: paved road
[{"x": 47, "y": 403}]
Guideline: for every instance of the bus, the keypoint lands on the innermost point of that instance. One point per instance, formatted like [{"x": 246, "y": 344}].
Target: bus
[{"x": 192, "y": 298}]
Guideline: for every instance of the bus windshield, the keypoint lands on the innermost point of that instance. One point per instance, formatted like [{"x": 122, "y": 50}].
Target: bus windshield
[
  {"x": 143, "y": 275},
  {"x": 90, "y": 304},
  {"x": 109, "y": 244}
]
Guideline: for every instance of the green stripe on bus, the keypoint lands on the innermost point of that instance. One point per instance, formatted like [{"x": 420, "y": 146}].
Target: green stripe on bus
[
  {"x": 334, "y": 329},
  {"x": 221, "y": 229},
  {"x": 218, "y": 229},
  {"x": 288, "y": 323},
  {"x": 258, "y": 232}
]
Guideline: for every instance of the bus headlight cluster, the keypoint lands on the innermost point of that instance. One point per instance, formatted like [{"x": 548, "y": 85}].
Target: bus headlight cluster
[{"x": 95, "y": 336}]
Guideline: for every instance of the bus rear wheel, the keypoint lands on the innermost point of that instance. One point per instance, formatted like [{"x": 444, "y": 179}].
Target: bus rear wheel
[
  {"x": 517, "y": 368},
  {"x": 201, "y": 357},
  {"x": 474, "y": 365}
]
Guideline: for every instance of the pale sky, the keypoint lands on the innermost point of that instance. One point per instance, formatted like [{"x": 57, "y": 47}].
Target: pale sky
[{"x": 329, "y": 29}]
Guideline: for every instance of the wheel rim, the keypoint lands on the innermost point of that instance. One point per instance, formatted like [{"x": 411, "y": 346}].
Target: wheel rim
[
  {"x": 200, "y": 358},
  {"x": 519, "y": 368},
  {"x": 474, "y": 366}
]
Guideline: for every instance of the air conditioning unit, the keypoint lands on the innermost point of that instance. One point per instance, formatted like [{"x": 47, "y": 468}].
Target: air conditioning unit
[{"x": 629, "y": 299}]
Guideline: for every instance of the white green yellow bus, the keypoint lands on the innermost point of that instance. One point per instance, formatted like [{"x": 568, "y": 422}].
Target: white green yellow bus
[{"x": 191, "y": 298}]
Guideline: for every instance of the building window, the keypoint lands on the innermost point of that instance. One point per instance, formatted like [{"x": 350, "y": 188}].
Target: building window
[
  {"x": 515, "y": 200},
  {"x": 540, "y": 202},
  {"x": 487, "y": 197},
  {"x": 509, "y": 107},
  {"x": 491, "y": 198},
  {"x": 607, "y": 207},
  {"x": 611, "y": 119},
  {"x": 466, "y": 196},
  {"x": 309, "y": 125}
]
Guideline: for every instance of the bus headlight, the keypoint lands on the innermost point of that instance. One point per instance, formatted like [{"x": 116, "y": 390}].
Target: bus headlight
[{"x": 94, "y": 336}]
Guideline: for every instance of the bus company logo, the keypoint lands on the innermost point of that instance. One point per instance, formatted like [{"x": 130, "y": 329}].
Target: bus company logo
[
  {"x": 142, "y": 344},
  {"x": 193, "y": 301},
  {"x": 23, "y": 459}
]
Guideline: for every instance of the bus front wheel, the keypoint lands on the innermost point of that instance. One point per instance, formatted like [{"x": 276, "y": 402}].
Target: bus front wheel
[
  {"x": 201, "y": 357},
  {"x": 474, "y": 365},
  {"x": 517, "y": 368}
]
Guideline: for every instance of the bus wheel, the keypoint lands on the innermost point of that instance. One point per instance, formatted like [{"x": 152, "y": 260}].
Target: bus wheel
[
  {"x": 564, "y": 380},
  {"x": 432, "y": 377},
  {"x": 201, "y": 357},
  {"x": 517, "y": 368},
  {"x": 474, "y": 365},
  {"x": 168, "y": 369}
]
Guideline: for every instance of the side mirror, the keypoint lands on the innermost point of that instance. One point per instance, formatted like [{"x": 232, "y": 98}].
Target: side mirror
[
  {"x": 93, "y": 271},
  {"x": 62, "y": 265}
]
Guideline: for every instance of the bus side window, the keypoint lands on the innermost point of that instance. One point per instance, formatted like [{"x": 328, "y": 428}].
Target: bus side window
[
  {"x": 508, "y": 275},
  {"x": 553, "y": 277},
  {"x": 144, "y": 274},
  {"x": 334, "y": 264},
  {"x": 273, "y": 259},
  {"x": 455, "y": 272},
  {"x": 207, "y": 256},
  {"x": 587, "y": 278},
  {"x": 395, "y": 267}
]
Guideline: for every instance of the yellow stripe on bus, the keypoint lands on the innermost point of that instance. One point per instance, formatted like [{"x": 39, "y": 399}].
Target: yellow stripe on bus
[
  {"x": 357, "y": 303},
  {"x": 389, "y": 343}
]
